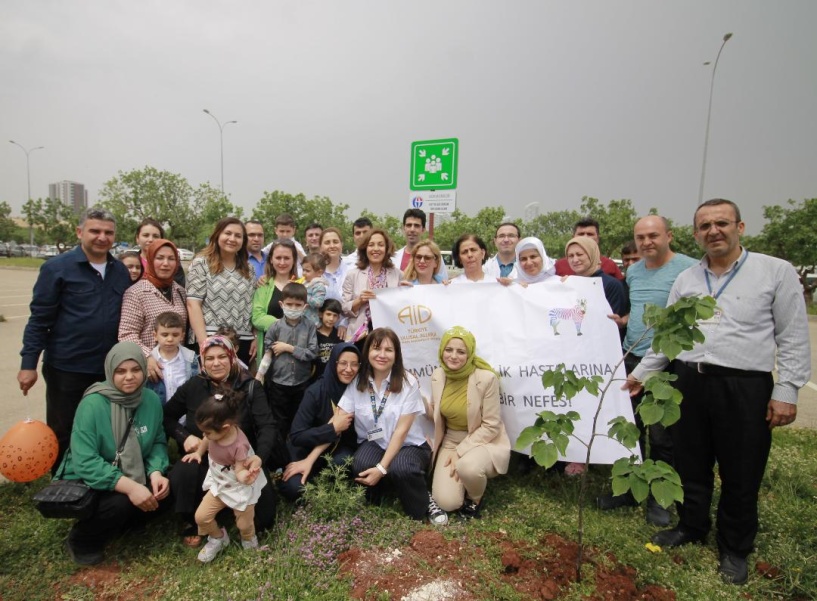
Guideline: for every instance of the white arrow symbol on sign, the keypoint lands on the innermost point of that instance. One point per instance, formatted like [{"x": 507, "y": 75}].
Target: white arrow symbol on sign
[
  {"x": 446, "y": 151},
  {"x": 444, "y": 177},
  {"x": 421, "y": 177},
  {"x": 421, "y": 153}
]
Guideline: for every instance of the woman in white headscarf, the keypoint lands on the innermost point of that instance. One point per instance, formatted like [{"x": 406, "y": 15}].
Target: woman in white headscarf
[
  {"x": 128, "y": 483},
  {"x": 532, "y": 262}
]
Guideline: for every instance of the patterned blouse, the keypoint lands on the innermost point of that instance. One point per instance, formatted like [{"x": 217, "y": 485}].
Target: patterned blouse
[{"x": 226, "y": 298}]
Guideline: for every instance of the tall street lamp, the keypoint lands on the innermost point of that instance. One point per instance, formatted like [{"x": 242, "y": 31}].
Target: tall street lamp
[
  {"x": 28, "y": 181},
  {"x": 221, "y": 141},
  {"x": 726, "y": 38}
]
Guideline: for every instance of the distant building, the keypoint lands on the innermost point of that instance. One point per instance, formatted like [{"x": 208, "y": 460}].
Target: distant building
[{"x": 73, "y": 194}]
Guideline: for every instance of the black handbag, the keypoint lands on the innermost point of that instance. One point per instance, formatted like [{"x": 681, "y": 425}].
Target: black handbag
[{"x": 72, "y": 499}]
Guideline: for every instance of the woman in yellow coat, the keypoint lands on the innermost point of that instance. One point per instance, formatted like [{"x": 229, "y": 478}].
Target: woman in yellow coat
[{"x": 470, "y": 442}]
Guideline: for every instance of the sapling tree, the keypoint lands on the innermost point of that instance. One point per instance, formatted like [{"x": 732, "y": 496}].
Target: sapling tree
[{"x": 674, "y": 329}]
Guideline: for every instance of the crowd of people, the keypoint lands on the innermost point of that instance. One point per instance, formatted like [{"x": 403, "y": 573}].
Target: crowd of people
[{"x": 265, "y": 359}]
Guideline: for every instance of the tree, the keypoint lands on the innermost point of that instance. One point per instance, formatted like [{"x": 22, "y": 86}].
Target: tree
[
  {"x": 319, "y": 209},
  {"x": 393, "y": 226},
  {"x": 140, "y": 193},
  {"x": 616, "y": 222},
  {"x": 483, "y": 224},
  {"x": 790, "y": 234},
  {"x": 554, "y": 229},
  {"x": 7, "y": 227},
  {"x": 209, "y": 206},
  {"x": 55, "y": 219}
]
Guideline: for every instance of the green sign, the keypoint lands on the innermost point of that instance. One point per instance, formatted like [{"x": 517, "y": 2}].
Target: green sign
[{"x": 434, "y": 164}]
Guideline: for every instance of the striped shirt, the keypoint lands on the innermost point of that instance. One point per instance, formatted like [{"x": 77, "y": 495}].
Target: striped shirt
[{"x": 226, "y": 298}]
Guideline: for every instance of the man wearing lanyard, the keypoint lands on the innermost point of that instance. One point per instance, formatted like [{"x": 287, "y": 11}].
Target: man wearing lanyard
[{"x": 730, "y": 401}]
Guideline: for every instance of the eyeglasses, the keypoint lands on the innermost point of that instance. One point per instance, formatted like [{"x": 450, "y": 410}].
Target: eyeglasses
[
  {"x": 424, "y": 258},
  {"x": 721, "y": 224},
  {"x": 344, "y": 365},
  {"x": 507, "y": 236}
]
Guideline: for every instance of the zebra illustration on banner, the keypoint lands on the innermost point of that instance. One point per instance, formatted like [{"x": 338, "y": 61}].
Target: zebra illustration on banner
[{"x": 574, "y": 314}]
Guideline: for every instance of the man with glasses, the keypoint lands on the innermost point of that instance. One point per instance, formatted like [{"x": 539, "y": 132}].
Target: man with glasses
[
  {"x": 731, "y": 403},
  {"x": 503, "y": 263}
]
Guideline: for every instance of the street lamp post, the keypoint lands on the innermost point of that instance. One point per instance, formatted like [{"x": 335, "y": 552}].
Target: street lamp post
[
  {"x": 726, "y": 38},
  {"x": 28, "y": 181},
  {"x": 221, "y": 143}
]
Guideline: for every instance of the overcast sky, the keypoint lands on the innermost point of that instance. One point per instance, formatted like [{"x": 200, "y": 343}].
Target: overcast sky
[{"x": 550, "y": 100}]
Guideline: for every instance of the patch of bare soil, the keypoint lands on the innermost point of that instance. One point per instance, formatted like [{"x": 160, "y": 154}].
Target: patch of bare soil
[
  {"x": 104, "y": 581},
  {"x": 433, "y": 568}
]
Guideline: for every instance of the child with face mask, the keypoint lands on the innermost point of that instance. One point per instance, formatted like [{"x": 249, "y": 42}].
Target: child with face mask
[{"x": 290, "y": 347}]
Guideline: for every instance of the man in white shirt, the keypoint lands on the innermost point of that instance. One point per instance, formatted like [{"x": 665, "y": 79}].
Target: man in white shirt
[{"x": 503, "y": 263}]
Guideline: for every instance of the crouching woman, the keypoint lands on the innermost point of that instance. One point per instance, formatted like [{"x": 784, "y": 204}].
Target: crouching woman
[
  {"x": 130, "y": 483},
  {"x": 470, "y": 442}
]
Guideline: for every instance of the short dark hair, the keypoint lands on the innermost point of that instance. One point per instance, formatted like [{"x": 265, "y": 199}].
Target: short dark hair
[
  {"x": 362, "y": 222},
  {"x": 168, "y": 319},
  {"x": 284, "y": 219},
  {"x": 294, "y": 291},
  {"x": 715, "y": 202},
  {"x": 254, "y": 222},
  {"x": 313, "y": 226},
  {"x": 333, "y": 305},
  {"x": 511, "y": 223},
  {"x": 98, "y": 213},
  {"x": 398, "y": 372},
  {"x": 629, "y": 248},
  {"x": 586, "y": 222},
  {"x": 455, "y": 250},
  {"x": 416, "y": 213}
]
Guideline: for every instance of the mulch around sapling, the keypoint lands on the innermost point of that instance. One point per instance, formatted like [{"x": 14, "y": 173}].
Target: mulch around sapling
[
  {"x": 432, "y": 567},
  {"x": 104, "y": 582}
]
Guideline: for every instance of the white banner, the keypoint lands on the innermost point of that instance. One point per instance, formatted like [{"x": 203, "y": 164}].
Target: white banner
[{"x": 521, "y": 332}]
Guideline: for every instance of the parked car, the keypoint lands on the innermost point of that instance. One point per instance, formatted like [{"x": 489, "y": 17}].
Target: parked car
[
  {"x": 30, "y": 250},
  {"x": 186, "y": 255},
  {"x": 49, "y": 250}
]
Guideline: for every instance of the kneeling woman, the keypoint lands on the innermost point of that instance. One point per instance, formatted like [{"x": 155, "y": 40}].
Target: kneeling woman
[
  {"x": 116, "y": 410},
  {"x": 470, "y": 442},
  {"x": 385, "y": 400},
  {"x": 318, "y": 428}
]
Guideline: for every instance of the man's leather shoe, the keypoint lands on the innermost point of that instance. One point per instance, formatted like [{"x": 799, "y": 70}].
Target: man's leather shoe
[
  {"x": 733, "y": 569},
  {"x": 607, "y": 502},
  {"x": 675, "y": 538},
  {"x": 657, "y": 515}
]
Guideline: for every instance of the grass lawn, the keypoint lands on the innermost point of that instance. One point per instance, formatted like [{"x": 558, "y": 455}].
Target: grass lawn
[
  {"x": 31, "y": 262},
  {"x": 299, "y": 558}
]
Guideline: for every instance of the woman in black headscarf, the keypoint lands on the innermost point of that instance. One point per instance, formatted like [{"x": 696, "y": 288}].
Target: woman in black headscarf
[
  {"x": 128, "y": 483},
  {"x": 318, "y": 428}
]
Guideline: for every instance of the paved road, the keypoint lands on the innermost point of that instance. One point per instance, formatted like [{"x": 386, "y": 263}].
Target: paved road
[{"x": 15, "y": 294}]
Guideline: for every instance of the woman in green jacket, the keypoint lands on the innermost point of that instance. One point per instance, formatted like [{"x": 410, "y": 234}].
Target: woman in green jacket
[
  {"x": 133, "y": 484},
  {"x": 280, "y": 269}
]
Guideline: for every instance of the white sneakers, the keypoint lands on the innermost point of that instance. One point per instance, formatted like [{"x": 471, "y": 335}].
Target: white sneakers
[
  {"x": 213, "y": 547},
  {"x": 251, "y": 544}
]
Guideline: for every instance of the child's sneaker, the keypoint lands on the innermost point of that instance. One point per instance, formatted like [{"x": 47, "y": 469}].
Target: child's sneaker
[
  {"x": 436, "y": 516},
  {"x": 213, "y": 547},
  {"x": 250, "y": 544}
]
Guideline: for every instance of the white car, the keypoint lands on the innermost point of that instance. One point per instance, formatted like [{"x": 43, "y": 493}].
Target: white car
[{"x": 186, "y": 255}]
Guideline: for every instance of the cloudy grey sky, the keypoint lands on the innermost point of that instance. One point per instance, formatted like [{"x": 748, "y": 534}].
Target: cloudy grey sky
[{"x": 550, "y": 100}]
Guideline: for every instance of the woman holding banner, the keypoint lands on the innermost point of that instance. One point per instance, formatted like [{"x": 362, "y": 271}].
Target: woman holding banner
[
  {"x": 374, "y": 270},
  {"x": 470, "y": 253},
  {"x": 425, "y": 264},
  {"x": 532, "y": 262},
  {"x": 584, "y": 258},
  {"x": 470, "y": 442}
]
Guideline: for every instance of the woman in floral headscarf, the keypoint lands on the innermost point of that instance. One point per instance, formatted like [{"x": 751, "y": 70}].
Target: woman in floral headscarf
[
  {"x": 220, "y": 372},
  {"x": 470, "y": 442},
  {"x": 132, "y": 482}
]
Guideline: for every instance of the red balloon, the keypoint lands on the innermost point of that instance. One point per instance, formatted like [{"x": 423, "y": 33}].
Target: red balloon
[{"x": 27, "y": 451}]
